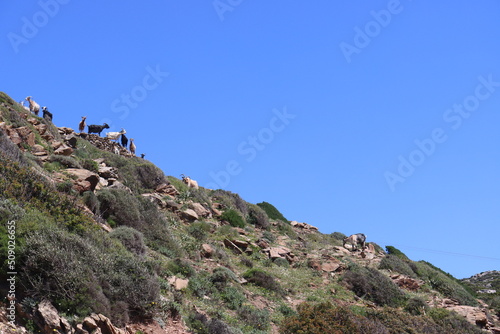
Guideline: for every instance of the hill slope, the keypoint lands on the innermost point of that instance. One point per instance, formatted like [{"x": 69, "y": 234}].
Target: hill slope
[{"x": 96, "y": 238}]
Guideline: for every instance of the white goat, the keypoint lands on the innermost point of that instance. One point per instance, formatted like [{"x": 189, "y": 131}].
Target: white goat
[
  {"x": 115, "y": 135},
  {"x": 356, "y": 239},
  {"x": 190, "y": 182},
  {"x": 34, "y": 107},
  {"x": 21, "y": 103},
  {"x": 132, "y": 146}
]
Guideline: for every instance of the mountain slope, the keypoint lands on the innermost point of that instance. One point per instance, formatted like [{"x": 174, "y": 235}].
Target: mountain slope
[{"x": 100, "y": 231}]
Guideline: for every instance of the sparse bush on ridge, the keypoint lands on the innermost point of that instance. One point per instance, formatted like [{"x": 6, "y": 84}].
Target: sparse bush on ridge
[
  {"x": 395, "y": 263},
  {"x": 257, "y": 217},
  {"x": 445, "y": 284},
  {"x": 272, "y": 212},
  {"x": 371, "y": 284}
]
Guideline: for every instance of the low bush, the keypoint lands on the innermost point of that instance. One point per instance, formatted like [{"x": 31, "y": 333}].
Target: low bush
[
  {"x": 416, "y": 306},
  {"x": 132, "y": 239},
  {"x": 123, "y": 208},
  {"x": 395, "y": 263},
  {"x": 231, "y": 200},
  {"x": 254, "y": 318},
  {"x": 372, "y": 284},
  {"x": 233, "y": 218},
  {"x": 82, "y": 274},
  {"x": 338, "y": 236},
  {"x": 319, "y": 318},
  {"x": 444, "y": 283},
  {"x": 263, "y": 279},
  {"x": 272, "y": 212},
  {"x": 232, "y": 297},
  {"x": 396, "y": 252},
  {"x": 199, "y": 230},
  {"x": 67, "y": 162},
  {"x": 257, "y": 217},
  {"x": 221, "y": 277}
]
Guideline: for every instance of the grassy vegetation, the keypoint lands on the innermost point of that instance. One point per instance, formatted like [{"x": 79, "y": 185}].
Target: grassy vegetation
[{"x": 64, "y": 255}]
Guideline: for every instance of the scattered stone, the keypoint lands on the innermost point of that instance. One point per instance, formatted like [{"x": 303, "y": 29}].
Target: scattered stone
[{"x": 189, "y": 215}]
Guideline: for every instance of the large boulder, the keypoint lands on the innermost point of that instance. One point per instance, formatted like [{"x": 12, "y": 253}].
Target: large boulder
[{"x": 85, "y": 179}]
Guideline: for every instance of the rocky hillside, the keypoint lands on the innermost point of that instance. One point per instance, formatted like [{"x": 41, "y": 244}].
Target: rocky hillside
[{"x": 96, "y": 240}]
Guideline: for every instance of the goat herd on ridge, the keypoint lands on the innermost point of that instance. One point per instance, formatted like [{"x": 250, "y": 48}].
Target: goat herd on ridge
[{"x": 35, "y": 109}]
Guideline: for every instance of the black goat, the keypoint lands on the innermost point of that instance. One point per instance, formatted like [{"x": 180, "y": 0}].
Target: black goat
[
  {"x": 47, "y": 114},
  {"x": 124, "y": 140},
  {"x": 97, "y": 128}
]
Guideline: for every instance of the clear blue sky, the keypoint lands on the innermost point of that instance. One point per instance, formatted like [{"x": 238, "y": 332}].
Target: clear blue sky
[{"x": 378, "y": 117}]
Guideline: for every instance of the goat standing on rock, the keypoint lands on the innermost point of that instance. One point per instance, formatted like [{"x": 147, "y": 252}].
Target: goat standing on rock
[
  {"x": 34, "y": 107},
  {"x": 81, "y": 125},
  {"x": 124, "y": 140},
  {"x": 132, "y": 146},
  {"x": 356, "y": 239},
  {"x": 190, "y": 182},
  {"x": 97, "y": 128},
  {"x": 47, "y": 114},
  {"x": 115, "y": 135}
]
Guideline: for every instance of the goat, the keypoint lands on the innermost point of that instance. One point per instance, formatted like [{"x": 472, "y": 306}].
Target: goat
[
  {"x": 34, "y": 107},
  {"x": 124, "y": 140},
  {"x": 190, "y": 182},
  {"x": 132, "y": 146},
  {"x": 142, "y": 155},
  {"x": 21, "y": 103},
  {"x": 47, "y": 114},
  {"x": 97, "y": 128},
  {"x": 356, "y": 239},
  {"x": 116, "y": 150},
  {"x": 81, "y": 125},
  {"x": 115, "y": 135}
]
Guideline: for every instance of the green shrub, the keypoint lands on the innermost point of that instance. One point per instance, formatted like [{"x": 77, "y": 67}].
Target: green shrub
[
  {"x": 263, "y": 279},
  {"x": 233, "y": 218},
  {"x": 255, "y": 318},
  {"x": 232, "y": 297},
  {"x": 231, "y": 200},
  {"x": 416, "y": 306},
  {"x": 181, "y": 267},
  {"x": 80, "y": 274},
  {"x": 286, "y": 229},
  {"x": 444, "y": 283},
  {"x": 65, "y": 186},
  {"x": 201, "y": 285},
  {"x": 372, "y": 284},
  {"x": 338, "y": 236},
  {"x": 257, "y": 217},
  {"x": 24, "y": 185},
  {"x": 272, "y": 212},
  {"x": 221, "y": 277},
  {"x": 90, "y": 165},
  {"x": 396, "y": 252},
  {"x": 281, "y": 262},
  {"x": 67, "y": 162},
  {"x": 199, "y": 230},
  {"x": 319, "y": 318},
  {"x": 135, "y": 211},
  {"x": 90, "y": 200},
  {"x": 395, "y": 263},
  {"x": 132, "y": 239}
]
